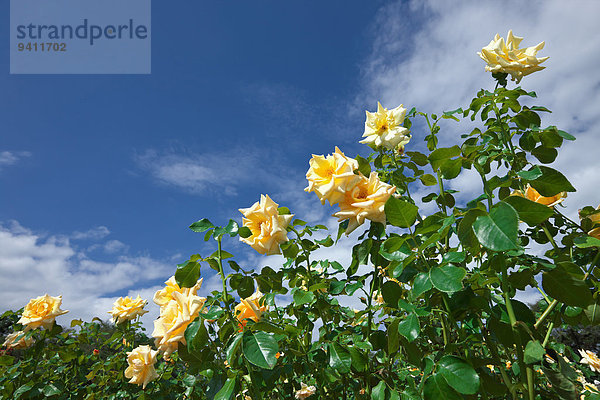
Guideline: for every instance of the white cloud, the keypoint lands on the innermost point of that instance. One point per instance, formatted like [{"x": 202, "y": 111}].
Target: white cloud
[
  {"x": 33, "y": 264},
  {"x": 96, "y": 233},
  {"x": 12, "y": 157}
]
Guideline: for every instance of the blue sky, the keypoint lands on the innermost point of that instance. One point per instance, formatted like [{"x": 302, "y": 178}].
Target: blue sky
[{"x": 100, "y": 175}]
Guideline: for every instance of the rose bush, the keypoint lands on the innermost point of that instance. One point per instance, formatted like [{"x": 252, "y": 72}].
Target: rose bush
[{"x": 426, "y": 308}]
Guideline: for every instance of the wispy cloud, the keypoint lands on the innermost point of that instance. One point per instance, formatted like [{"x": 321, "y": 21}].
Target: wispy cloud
[
  {"x": 12, "y": 157},
  {"x": 95, "y": 233},
  {"x": 212, "y": 173}
]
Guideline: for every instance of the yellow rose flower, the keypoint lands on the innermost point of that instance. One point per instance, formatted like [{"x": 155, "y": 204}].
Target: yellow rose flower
[
  {"x": 250, "y": 308},
  {"x": 141, "y": 365},
  {"x": 13, "y": 342},
  {"x": 329, "y": 177},
  {"x": 267, "y": 226},
  {"x": 590, "y": 358},
  {"x": 384, "y": 128},
  {"x": 164, "y": 296},
  {"x": 533, "y": 195},
  {"x": 305, "y": 391},
  {"x": 41, "y": 311},
  {"x": 174, "y": 318},
  {"x": 366, "y": 200},
  {"x": 126, "y": 308},
  {"x": 506, "y": 56}
]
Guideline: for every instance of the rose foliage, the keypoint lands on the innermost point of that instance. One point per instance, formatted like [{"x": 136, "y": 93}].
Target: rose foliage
[{"x": 432, "y": 278}]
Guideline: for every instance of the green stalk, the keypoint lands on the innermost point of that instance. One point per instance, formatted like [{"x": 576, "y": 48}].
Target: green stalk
[
  {"x": 496, "y": 356},
  {"x": 517, "y": 338},
  {"x": 225, "y": 294}
]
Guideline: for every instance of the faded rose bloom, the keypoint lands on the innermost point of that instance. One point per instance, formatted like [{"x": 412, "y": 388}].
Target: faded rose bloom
[
  {"x": 250, "y": 308},
  {"x": 41, "y": 311},
  {"x": 267, "y": 226},
  {"x": 305, "y": 391},
  {"x": 533, "y": 195},
  {"x": 590, "y": 358},
  {"x": 366, "y": 200},
  {"x": 12, "y": 341},
  {"x": 126, "y": 308},
  {"x": 329, "y": 177},
  {"x": 164, "y": 296},
  {"x": 141, "y": 365},
  {"x": 507, "y": 57},
  {"x": 384, "y": 128},
  {"x": 169, "y": 328}
]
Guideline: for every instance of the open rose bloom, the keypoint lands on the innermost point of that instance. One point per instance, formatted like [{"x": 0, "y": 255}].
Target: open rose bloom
[
  {"x": 366, "y": 200},
  {"x": 41, "y": 312},
  {"x": 506, "y": 56},
  {"x": 165, "y": 295},
  {"x": 384, "y": 128},
  {"x": 126, "y": 308},
  {"x": 267, "y": 226},
  {"x": 141, "y": 365},
  {"x": 330, "y": 177},
  {"x": 17, "y": 340},
  {"x": 250, "y": 308},
  {"x": 169, "y": 328}
]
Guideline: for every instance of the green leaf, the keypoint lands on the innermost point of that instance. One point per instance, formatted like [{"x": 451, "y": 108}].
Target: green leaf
[
  {"x": 418, "y": 158},
  {"x": 421, "y": 284},
  {"x": 534, "y": 352},
  {"x": 303, "y": 297},
  {"x": 437, "y": 157},
  {"x": 409, "y": 327},
  {"x": 584, "y": 242},
  {"x": 530, "y": 212},
  {"x": 551, "y": 182},
  {"x": 196, "y": 335},
  {"x": 359, "y": 360},
  {"x": 395, "y": 249},
  {"x": 363, "y": 166},
  {"x": 454, "y": 257},
  {"x": 391, "y": 292},
  {"x": 226, "y": 391},
  {"x": 450, "y": 169},
  {"x": 498, "y": 231},
  {"x": 363, "y": 250},
  {"x": 233, "y": 347},
  {"x": 566, "y": 135},
  {"x": 378, "y": 392},
  {"x": 244, "y": 232},
  {"x": 23, "y": 389},
  {"x": 544, "y": 154},
  {"x": 232, "y": 228},
  {"x": 436, "y": 388},
  {"x": 6, "y": 360},
  {"x": 459, "y": 374},
  {"x": 400, "y": 213},
  {"x": 51, "y": 389},
  {"x": 187, "y": 274},
  {"x": 202, "y": 225},
  {"x": 428, "y": 180},
  {"x": 260, "y": 348},
  {"x": 533, "y": 173},
  {"x": 566, "y": 288},
  {"x": 447, "y": 278},
  {"x": 245, "y": 287},
  {"x": 339, "y": 358}
]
